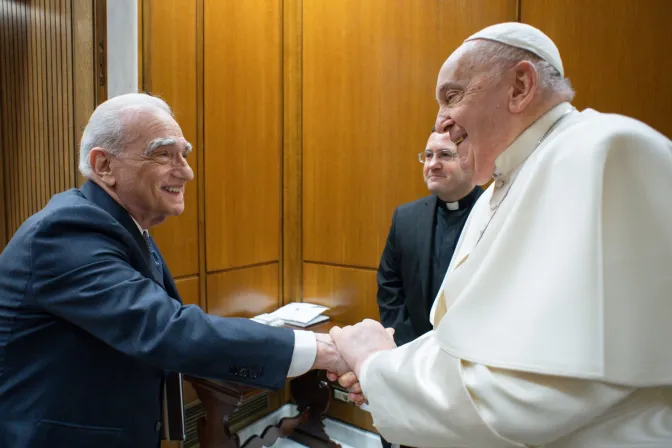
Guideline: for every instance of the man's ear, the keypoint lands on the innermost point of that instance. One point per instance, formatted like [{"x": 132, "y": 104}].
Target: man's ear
[
  {"x": 524, "y": 87},
  {"x": 100, "y": 163}
]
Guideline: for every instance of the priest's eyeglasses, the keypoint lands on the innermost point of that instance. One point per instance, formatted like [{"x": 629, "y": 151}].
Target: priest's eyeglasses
[{"x": 444, "y": 155}]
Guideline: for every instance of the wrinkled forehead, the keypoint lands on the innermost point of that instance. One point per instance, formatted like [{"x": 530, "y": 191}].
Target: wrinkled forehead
[{"x": 459, "y": 69}]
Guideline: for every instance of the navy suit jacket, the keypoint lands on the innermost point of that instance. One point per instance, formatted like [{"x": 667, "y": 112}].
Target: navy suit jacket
[{"x": 88, "y": 331}]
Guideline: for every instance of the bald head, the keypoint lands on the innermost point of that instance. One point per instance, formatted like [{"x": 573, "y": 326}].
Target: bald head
[{"x": 112, "y": 125}]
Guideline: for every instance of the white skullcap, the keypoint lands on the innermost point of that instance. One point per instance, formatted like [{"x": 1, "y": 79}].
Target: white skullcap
[{"x": 523, "y": 36}]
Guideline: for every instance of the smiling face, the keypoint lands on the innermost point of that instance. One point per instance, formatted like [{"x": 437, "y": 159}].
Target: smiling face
[
  {"x": 474, "y": 109},
  {"x": 148, "y": 178},
  {"x": 442, "y": 171}
]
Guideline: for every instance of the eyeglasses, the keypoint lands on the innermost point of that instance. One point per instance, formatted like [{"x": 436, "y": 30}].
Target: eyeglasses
[{"x": 445, "y": 155}]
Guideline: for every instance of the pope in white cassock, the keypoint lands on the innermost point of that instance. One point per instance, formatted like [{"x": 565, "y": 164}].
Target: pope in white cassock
[{"x": 553, "y": 327}]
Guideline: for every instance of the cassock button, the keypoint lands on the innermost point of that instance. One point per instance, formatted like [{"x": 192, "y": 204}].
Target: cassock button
[{"x": 157, "y": 426}]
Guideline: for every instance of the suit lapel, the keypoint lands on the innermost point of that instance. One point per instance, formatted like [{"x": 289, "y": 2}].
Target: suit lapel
[
  {"x": 98, "y": 196},
  {"x": 173, "y": 397},
  {"x": 423, "y": 231}
]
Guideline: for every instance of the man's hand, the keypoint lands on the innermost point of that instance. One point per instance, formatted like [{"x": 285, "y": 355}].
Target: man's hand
[
  {"x": 349, "y": 380},
  {"x": 357, "y": 342},
  {"x": 328, "y": 358}
]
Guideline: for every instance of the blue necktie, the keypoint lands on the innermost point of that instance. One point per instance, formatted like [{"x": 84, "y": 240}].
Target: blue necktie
[{"x": 153, "y": 252}]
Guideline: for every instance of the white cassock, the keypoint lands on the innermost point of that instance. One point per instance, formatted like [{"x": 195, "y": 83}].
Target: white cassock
[{"x": 557, "y": 329}]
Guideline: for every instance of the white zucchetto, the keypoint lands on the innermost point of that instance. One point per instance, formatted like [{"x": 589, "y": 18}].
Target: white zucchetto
[{"x": 525, "y": 37}]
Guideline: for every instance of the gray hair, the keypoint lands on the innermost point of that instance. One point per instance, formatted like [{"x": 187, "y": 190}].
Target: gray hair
[
  {"x": 108, "y": 126},
  {"x": 498, "y": 56}
]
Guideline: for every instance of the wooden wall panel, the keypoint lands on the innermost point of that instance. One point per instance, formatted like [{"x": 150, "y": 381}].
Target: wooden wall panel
[
  {"x": 616, "y": 53},
  {"x": 38, "y": 108},
  {"x": 3, "y": 229},
  {"x": 292, "y": 255},
  {"x": 4, "y": 121},
  {"x": 10, "y": 88},
  {"x": 84, "y": 70},
  {"x": 244, "y": 292},
  {"x": 189, "y": 290},
  {"x": 100, "y": 50},
  {"x": 349, "y": 292},
  {"x": 369, "y": 73},
  {"x": 242, "y": 112},
  {"x": 172, "y": 76}
]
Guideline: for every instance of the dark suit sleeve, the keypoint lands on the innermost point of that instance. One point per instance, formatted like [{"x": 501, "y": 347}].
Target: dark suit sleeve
[
  {"x": 391, "y": 300},
  {"x": 82, "y": 274}
]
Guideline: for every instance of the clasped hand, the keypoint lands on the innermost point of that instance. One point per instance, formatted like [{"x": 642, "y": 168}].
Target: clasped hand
[{"x": 343, "y": 351}]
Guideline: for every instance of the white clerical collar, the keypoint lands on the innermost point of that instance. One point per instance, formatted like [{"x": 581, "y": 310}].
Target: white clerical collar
[
  {"x": 453, "y": 205},
  {"x": 527, "y": 142}
]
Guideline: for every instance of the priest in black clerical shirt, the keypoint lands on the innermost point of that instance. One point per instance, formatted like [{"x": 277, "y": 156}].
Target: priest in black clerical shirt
[
  {"x": 422, "y": 238},
  {"x": 421, "y": 242}
]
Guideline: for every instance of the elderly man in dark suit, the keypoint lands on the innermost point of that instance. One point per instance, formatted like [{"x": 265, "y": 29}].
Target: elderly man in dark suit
[
  {"x": 422, "y": 238},
  {"x": 92, "y": 327}
]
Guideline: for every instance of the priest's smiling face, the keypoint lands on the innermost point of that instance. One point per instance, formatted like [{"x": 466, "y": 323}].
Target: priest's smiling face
[
  {"x": 475, "y": 110},
  {"x": 442, "y": 171}
]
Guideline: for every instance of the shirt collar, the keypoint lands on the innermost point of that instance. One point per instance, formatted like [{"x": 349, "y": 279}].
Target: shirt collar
[
  {"x": 462, "y": 204},
  {"x": 527, "y": 142},
  {"x": 139, "y": 226}
]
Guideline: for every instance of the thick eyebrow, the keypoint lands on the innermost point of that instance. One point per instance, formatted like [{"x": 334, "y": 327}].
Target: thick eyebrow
[
  {"x": 446, "y": 86},
  {"x": 164, "y": 141}
]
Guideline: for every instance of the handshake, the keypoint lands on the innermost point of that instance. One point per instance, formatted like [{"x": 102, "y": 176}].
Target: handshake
[{"x": 343, "y": 351}]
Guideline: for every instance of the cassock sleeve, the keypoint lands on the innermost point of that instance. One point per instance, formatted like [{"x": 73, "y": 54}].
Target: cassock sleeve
[{"x": 419, "y": 395}]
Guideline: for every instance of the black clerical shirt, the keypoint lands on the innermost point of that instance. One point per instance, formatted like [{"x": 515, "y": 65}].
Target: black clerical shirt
[{"x": 448, "y": 225}]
